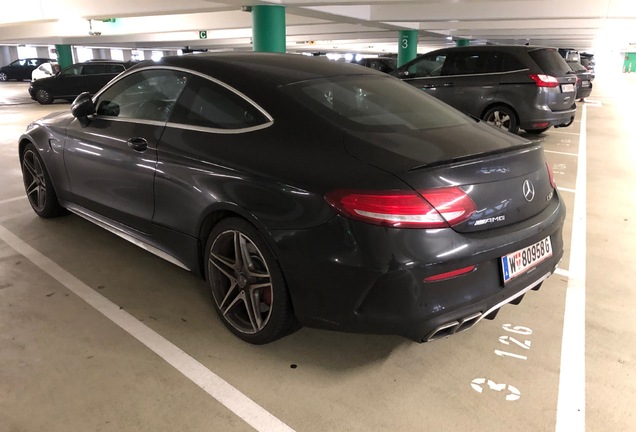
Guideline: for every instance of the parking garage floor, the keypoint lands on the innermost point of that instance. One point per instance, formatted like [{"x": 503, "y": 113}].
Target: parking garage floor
[{"x": 98, "y": 335}]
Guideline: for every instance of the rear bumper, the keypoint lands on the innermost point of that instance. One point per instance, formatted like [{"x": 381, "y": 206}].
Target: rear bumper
[
  {"x": 544, "y": 117},
  {"x": 356, "y": 277}
]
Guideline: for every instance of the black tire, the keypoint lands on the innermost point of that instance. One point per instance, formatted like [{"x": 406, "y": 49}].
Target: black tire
[
  {"x": 38, "y": 185},
  {"x": 502, "y": 117},
  {"x": 43, "y": 96},
  {"x": 246, "y": 283},
  {"x": 537, "y": 131}
]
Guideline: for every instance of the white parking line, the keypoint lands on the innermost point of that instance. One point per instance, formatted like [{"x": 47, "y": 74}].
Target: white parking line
[
  {"x": 571, "y": 401},
  {"x": 564, "y": 189},
  {"x": 564, "y": 133},
  {"x": 8, "y": 200},
  {"x": 248, "y": 410}
]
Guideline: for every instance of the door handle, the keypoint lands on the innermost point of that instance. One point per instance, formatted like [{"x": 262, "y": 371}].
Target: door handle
[
  {"x": 448, "y": 85},
  {"x": 428, "y": 86},
  {"x": 138, "y": 144}
]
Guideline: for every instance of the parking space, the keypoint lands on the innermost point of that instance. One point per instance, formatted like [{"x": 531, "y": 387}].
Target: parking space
[{"x": 78, "y": 368}]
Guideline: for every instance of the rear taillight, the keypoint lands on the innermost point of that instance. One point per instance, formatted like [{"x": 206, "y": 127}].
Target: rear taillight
[
  {"x": 551, "y": 176},
  {"x": 440, "y": 208},
  {"x": 544, "y": 80}
]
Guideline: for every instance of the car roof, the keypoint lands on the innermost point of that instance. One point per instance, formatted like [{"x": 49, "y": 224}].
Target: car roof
[{"x": 277, "y": 68}]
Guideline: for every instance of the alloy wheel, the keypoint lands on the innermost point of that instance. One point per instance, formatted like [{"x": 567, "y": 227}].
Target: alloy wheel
[
  {"x": 3, "y": 76},
  {"x": 240, "y": 281},
  {"x": 500, "y": 119},
  {"x": 34, "y": 180}
]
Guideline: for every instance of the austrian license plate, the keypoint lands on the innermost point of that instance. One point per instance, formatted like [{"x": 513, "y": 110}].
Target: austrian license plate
[
  {"x": 585, "y": 83},
  {"x": 567, "y": 88},
  {"x": 519, "y": 262}
]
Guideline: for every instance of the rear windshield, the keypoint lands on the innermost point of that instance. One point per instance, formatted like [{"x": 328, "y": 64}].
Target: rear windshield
[
  {"x": 577, "y": 67},
  {"x": 550, "y": 61},
  {"x": 374, "y": 103}
]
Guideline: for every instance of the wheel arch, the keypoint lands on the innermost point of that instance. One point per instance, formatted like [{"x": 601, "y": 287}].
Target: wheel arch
[
  {"x": 497, "y": 104},
  {"x": 218, "y": 212}
]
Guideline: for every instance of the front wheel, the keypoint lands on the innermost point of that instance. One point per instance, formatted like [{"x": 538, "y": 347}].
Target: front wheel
[
  {"x": 4, "y": 76},
  {"x": 502, "y": 117},
  {"x": 38, "y": 185},
  {"x": 246, "y": 283},
  {"x": 43, "y": 96}
]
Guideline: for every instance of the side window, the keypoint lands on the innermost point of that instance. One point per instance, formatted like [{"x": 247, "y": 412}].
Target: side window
[
  {"x": 95, "y": 69},
  {"x": 72, "y": 71},
  {"x": 471, "y": 63},
  {"x": 511, "y": 63},
  {"x": 428, "y": 66},
  {"x": 146, "y": 95},
  {"x": 207, "y": 104}
]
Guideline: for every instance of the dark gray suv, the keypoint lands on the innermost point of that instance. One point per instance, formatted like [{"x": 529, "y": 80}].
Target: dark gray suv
[{"x": 512, "y": 87}]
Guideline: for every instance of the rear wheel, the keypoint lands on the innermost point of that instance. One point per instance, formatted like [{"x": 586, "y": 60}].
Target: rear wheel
[
  {"x": 38, "y": 186},
  {"x": 43, "y": 96},
  {"x": 502, "y": 117},
  {"x": 246, "y": 283}
]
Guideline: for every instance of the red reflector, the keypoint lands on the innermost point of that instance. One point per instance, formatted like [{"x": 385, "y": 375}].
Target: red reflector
[
  {"x": 551, "y": 176},
  {"x": 544, "y": 80},
  {"x": 441, "y": 208},
  {"x": 450, "y": 274},
  {"x": 540, "y": 125}
]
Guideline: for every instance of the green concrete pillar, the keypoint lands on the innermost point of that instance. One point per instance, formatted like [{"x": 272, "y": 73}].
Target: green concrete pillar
[
  {"x": 407, "y": 47},
  {"x": 64, "y": 55},
  {"x": 268, "y": 28},
  {"x": 462, "y": 42}
]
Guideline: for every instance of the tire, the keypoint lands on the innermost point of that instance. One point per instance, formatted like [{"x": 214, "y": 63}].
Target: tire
[
  {"x": 4, "y": 76},
  {"x": 502, "y": 117},
  {"x": 43, "y": 96},
  {"x": 537, "y": 131},
  {"x": 38, "y": 185},
  {"x": 246, "y": 283}
]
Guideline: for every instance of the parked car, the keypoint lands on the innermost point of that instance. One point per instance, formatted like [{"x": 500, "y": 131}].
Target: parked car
[
  {"x": 584, "y": 80},
  {"x": 511, "y": 87},
  {"x": 305, "y": 192},
  {"x": 587, "y": 60},
  {"x": 45, "y": 70},
  {"x": 78, "y": 78},
  {"x": 21, "y": 69},
  {"x": 382, "y": 64}
]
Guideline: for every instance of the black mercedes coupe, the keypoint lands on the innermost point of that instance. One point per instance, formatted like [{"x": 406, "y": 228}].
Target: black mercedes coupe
[{"x": 305, "y": 192}]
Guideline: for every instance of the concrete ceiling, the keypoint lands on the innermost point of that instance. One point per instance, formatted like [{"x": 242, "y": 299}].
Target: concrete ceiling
[{"x": 322, "y": 25}]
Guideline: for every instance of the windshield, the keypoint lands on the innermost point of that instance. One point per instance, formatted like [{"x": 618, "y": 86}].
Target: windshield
[{"x": 374, "y": 103}]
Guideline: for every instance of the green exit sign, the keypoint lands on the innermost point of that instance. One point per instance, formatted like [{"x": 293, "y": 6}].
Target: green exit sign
[{"x": 203, "y": 34}]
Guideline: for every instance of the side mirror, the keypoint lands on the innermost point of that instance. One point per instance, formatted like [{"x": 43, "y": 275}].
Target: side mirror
[{"x": 83, "y": 106}]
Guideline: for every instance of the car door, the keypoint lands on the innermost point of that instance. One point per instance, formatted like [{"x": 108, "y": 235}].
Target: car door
[
  {"x": 66, "y": 83},
  {"x": 470, "y": 79},
  {"x": 426, "y": 74},
  {"x": 111, "y": 157}
]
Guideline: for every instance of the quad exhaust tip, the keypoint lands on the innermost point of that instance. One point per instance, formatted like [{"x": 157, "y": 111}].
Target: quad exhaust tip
[{"x": 453, "y": 327}]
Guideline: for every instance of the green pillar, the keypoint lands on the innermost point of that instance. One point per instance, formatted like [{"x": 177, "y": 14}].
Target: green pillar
[
  {"x": 462, "y": 42},
  {"x": 407, "y": 48},
  {"x": 64, "y": 55},
  {"x": 268, "y": 28}
]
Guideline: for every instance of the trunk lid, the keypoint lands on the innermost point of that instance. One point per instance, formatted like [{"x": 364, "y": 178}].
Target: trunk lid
[{"x": 505, "y": 176}]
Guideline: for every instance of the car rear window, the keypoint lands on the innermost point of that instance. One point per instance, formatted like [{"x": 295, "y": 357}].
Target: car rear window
[
  {"x": 374, "y": 104},
  {"x": 550, "y": 61}
]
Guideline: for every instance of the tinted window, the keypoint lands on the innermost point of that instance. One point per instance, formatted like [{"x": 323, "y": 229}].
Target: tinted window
[
  {"x": 207, "y": 104},
  {"x": 427, "y": 66},
  {"x": 550, "y": 61},
  {"x": 511, "y": 63},
  {"x": 94, "y": 69},
  {"x": 147, "y": 95},
  {"x": 470, "y": 63},
  {"x": 374, "y": 104},
  {"x": 72, "y": 70},
  {"x": 576, "y": 67}
]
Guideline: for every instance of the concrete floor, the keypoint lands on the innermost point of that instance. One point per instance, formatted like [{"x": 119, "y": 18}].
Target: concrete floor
[{"x": 64, "y": 366}]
